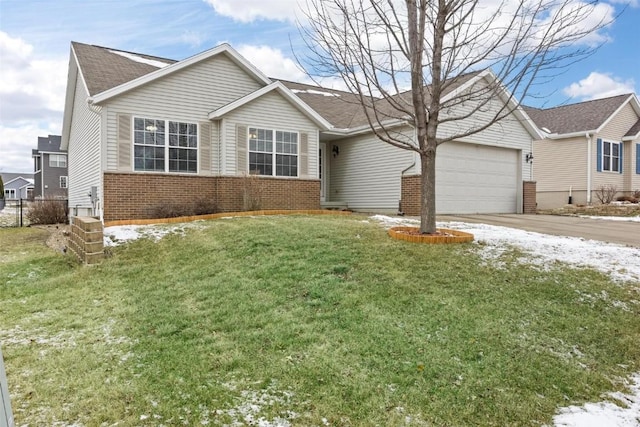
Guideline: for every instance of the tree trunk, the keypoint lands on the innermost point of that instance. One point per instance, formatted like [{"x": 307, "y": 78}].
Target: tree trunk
[{"x": 428, "y": 192}]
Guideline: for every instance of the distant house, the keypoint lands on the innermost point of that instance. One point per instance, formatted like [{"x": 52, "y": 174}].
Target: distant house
[
  {"x": 587, "y": 145},
  {"x": 17, "y": 186},
  {"x": 50, "y": 168},
  {"x": 143, "y": 131}
]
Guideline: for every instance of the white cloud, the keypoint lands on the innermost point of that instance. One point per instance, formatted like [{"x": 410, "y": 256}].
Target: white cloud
[
  {"x": 252, "y": 10},
  {"x": 632, "y": 3},
  {"x": 599, "y": 85},
  {"x": 273, "y": 62},
  {"x": 32, "y": 101}
]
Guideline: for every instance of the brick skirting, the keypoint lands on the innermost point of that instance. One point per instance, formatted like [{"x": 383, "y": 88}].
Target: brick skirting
[{"x": 137, "y": 195}]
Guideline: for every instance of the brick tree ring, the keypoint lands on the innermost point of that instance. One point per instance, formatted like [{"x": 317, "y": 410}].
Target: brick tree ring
[{"x": 443, "y": 235}]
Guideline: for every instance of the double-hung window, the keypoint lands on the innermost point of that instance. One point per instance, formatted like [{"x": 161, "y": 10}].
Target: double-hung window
[
  {"x": 610, "y": 156},
  {"x": 57, "y": 160},
  {"x": 165, "y": 146},
  {"x": 273, "y": 152}
]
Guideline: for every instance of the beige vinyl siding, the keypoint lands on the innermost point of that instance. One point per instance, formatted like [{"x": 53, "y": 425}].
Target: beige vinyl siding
[
  {"x": 635, "y": 177},
  {"x": 560, "y": 164},
  {"x": 614, "y": 132},
  {"x": 188, "y": 95},
  {"x": 84, "y": 151},
  {"x": 367, "y": 173},
  {"x": 270, "y": 111}
]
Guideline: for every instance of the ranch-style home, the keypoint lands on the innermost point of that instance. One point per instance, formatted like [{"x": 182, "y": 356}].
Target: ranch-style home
[
  {"x": 143, "y": 131},
  {"x": 586, "y": 146}
]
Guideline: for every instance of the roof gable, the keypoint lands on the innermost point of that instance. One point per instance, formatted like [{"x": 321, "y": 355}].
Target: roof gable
[
  {"x": 282, "y": 90},
  {"x": 133, "y": 73},
  {"x": 588, "y": 116}
]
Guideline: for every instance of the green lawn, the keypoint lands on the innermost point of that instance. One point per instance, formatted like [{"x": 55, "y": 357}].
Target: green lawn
[{"x": 308, "y": 321}]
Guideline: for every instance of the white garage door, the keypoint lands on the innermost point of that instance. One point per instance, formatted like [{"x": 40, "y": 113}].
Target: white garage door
[{"x": 476, "y": 179}]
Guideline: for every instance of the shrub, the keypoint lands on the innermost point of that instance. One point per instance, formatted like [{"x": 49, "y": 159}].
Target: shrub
[
  {"x": 252, "y": 189},
  {"x": 48, "y": 211},
  {"x": 172, "y": 209},
  {"x": 606, "y": 193}
]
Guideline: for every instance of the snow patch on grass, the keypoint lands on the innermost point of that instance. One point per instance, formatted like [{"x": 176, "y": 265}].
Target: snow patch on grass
[
  {"x": 621, "y": 263},
  {"x": 614, "y": 218},
  {"x": 605, "y": 414},
  {"x": 118, "y": 235}
]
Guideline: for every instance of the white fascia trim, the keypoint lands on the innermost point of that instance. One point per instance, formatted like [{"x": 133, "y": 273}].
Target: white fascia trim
[
  {"x": 70, "y": 95},
  {"x": 284, "y": 91},
  {"x": 504, "y": 93},
  {"x": 568, "y": 135},
  {"x": 169, "y": 69},
  {"x": 15, "y": 179},
  {"x": 362, "y": 129},
  {"x": 630, "y": 99},
  {"x": 632, "y": 137}
]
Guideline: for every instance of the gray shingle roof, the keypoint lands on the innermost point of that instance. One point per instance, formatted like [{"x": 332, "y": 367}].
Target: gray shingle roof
[
  {"x": 343, "y": 109},
  {"x": 634, "y": 129},
  {"x": 583, "y": 116},
  {"x": 103, "y": 69}
]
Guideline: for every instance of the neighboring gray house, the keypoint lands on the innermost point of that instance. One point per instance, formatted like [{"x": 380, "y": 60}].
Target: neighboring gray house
[
  {"x": 17, "y": 186},
  {"x": 50, "y": 168},
  {"x": 585, "y": 146},
  {"x": 141, "y": 131}
]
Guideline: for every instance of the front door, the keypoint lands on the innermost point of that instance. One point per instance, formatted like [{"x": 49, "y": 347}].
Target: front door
[{"x": 322, "y": 170}]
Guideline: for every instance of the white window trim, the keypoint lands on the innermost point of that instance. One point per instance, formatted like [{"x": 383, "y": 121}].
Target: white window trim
[
  {"x": 57, "y": 165},
  {"x": 273, "y": 151},
  {"x": 166, "y": 146},
  {"x": 8, "y": 193},
  {"x": 611, "y": 157},
  {"x": 66, "y": 181}
]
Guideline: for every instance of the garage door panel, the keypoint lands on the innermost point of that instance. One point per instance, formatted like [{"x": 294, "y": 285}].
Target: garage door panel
[{"x": 476, "y": 179}]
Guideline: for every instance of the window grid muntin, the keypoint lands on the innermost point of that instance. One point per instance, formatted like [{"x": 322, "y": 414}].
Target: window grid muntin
[
  {"x": 64, "y": 182},
  {"x": 57, "y": 161},
  {"x": 610, "y": 156},
  {"x": 273, "y": 152},
  {"x": 165, "y": 146}
]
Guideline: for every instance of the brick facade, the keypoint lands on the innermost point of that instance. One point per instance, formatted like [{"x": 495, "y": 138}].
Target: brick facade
[
  {"x": 529, "y": 204},
  {"x": 410, "y": 195},
  {"x": 137, "y": 195}
]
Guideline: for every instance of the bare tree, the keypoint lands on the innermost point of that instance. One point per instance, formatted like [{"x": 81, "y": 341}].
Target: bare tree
[{"x": 404, "y": 59}]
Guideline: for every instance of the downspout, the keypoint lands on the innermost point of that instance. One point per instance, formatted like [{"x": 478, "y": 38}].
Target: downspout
[{"x": 588, "y": 136}]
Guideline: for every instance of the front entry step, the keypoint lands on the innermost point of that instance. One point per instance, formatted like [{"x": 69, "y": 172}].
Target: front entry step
[{"x": 334, "y": 205}]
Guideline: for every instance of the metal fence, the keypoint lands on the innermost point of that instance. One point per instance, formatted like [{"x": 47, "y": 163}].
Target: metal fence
[{"x": 16, "y": 212}]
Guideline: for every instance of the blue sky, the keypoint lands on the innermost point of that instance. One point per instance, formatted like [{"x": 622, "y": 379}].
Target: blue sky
[{"x": 35, "y": 37}]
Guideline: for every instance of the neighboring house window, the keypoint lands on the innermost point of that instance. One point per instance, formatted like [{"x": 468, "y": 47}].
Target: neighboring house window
[
  {"x": 610, "y": 156},
  {"x": 57, "y": 161},
  {"x": 273, "y": 152},
  {"x": 63, "y": 182},
  {"x": 10, "y": 193},
  {"x": 152, "y": 147}
]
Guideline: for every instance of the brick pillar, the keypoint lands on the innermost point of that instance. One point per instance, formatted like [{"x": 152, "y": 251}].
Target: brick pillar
[
  {"x": 529, "y": 197},
  {"x": 410, "y": 195}
]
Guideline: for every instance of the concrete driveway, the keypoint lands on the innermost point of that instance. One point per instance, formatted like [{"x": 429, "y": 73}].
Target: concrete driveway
[{"x": 620, "y": 232}]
